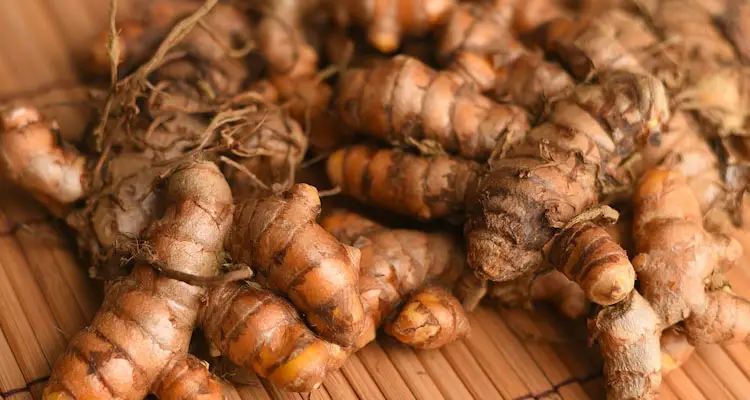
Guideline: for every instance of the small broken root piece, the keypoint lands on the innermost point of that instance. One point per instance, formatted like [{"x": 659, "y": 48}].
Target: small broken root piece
[{"x": 431, "y": 318}]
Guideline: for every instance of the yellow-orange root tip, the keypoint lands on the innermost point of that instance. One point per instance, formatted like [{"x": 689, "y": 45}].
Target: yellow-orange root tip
[
  {"x": 335, "y": 168},
  {"x": 612, "y": 293},
  {"x": 385, "y": 42},
  {"x": 653, "y": 181}
]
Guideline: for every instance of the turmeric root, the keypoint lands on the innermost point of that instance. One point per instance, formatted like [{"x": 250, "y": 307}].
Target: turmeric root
[
  {"x": 698, "y": 39},
  {"x": 407, "y": 102},
  {"x": 628, "y": 335},
  {"x": 529, "y": 14},
  {"x": 211, "y": 69},
  {"x": 292, "y": 66},
  {"x": 529, "y": 79},
  {"x": 514, "y": 18},
  {"x": 480, "y": 47},
  {"x": 482, "y": 28},
  {"x": 348, "y": 226},
  {"x": 720, "y": 98},
  {"x": 292, "y": 61},
  {"x": 273, "y": 235},
  {"x": 32, "y": 156},
  {"x": 389, "y": 272},
  {"x": 256, "y": 329},
  {"x": 609, "y": 38},
  {"x": 589, "y": 256},
  {"x": 139, "y": 338},
  {"x": 675, "y": 348},
  {"x": 211, "y": 55},
  {"x": 684, "y": 149},
  {"x": 396, "y": 263},
  {"x": 592, "y": 266},
  {"x": 431, "y": 318},
  {"x": 111, "y": 225},
  {"x": 204, "y": 67},
  {"x": 425, "y": 188},
  {"x": 586, "y": 46},
  {"x": 564, "y": 166},
  {"x": 388, "y": 20},
  {"x": 676, "y": 256},
  {"x": 260, "y": 331},
  {"x": 281, "y": 39},
  {"x": 551, "y": 287},
  {"x": 725, "y": 319},
  {"x": 714, "y": 85},
  {"x": 526, "y": 80}
]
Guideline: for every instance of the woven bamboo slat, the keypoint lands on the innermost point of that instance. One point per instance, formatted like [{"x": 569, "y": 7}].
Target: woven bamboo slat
[{"x": 46, "y": 296}]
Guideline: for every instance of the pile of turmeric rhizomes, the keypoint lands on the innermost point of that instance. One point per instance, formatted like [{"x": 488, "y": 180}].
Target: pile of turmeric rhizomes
[{"x": 594, "y": 152}]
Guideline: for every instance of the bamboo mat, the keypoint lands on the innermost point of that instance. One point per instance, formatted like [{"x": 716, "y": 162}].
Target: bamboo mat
[{"x": 46, "y": 297}]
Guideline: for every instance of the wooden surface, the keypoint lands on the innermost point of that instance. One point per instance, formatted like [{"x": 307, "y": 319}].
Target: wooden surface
[{"x": 45, "y": 296}]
